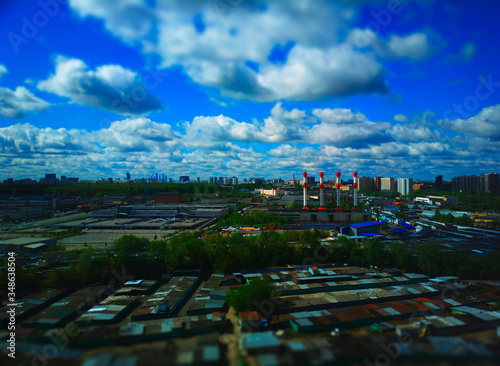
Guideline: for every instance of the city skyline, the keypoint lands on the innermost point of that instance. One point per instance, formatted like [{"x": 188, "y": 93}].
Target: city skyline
[{"x": 249, "y": 88}]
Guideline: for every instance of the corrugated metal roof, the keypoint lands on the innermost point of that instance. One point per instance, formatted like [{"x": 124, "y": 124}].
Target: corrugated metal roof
[
  {"x": 104, "y": 316},
  {"x": 303, "y": 322},
  {"x": 367, "y": 280},
  {"x": 260, "y": 340},
  {"x": 268, "y": 359},
  {"x": 211, "y": 353},
  {"x": 296, "y": 346},
  {"x": 430, "y": 288},
  {"x": 97, "y": 309},
  {"x": 103, "y": 359},
  {"x": 392, "y": 311},
  {"x": 414, "y": 275},
  {"x": 126, "y": 361},
  {"x": 431, "y": 305},
  {"x": 132, "y": 328},
  {"x": 361, "y": 291},
  {"x": 48, "y": 320},
  {"x": 185, "y": 357},
  {"x": 214, "y": 304},
  {"x": 59, "y": 303},
  {"x": 452, "y": 302}
]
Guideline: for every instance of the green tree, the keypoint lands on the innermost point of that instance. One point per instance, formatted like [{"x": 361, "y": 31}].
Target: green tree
[
  {"x": 428, "y": 258},
  {"x": 246, "y": 297},
  {"x": 376, "y": 253}
]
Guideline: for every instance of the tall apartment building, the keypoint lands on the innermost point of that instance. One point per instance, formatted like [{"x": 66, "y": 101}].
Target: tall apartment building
[
  {"x": 388, "y": 184},
  {"x": 405, "y": 186},
  {"x": 367, "y": 183},
  {"x": 478, "y": 183},
  {"x": 439, "y": 181},
  {"x": 492, "y": 183}
]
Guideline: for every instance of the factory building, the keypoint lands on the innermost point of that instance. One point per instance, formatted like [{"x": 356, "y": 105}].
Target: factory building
[
  {"x": 163, "y": 197},
  {"x": 28, "y": 245}
]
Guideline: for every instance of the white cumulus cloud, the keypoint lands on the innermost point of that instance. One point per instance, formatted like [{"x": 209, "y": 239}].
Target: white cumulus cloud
[
  {"x": 109, "y": 87},
  {"x": 16, "y": 103}
]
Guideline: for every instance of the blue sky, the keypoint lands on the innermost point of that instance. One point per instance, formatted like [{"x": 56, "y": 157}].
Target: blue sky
[{"x": 95, "y": 89}]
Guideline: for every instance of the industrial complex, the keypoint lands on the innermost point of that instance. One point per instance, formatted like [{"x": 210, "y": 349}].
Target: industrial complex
[{"x": 319, "y": 313}]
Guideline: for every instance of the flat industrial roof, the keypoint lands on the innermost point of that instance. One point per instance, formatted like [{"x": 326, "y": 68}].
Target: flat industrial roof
[
  {"x": 24, "y": 241},
  {"x": 34, "y": 246}
]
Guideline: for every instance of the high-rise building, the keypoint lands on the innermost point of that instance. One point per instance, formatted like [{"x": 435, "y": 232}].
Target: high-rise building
[
  {"x": 405, "y": 186},
  {"x": 388, "y": 184},
  {"x": 477, "y": 183},
  {"x": 128, "y": 176},
  {"x": 366, "y": 183},
  {"x": 311, "y": 179},
  {"x": 234, "y": 181},
  {"x": 439, "y": 181},
  {"x": 492, "y": 183},
  {"x": 377, "y": 183},
  {"x": 473, "y": 183},
  {"x": 184, "y": 178}
]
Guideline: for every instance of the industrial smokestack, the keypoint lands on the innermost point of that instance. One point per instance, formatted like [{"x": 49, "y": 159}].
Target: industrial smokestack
[
  {"x": 305, "y": 192},
  {"x": 355, "y": 186},
  {"x": 321, "y": 191},
  {"x": 338, "y": 192}
]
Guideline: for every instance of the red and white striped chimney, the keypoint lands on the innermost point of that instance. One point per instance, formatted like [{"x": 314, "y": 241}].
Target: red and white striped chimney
[
  {"x": 305, "y": 191},
  {"x": 321, "y": 192},
  {"x": 338, "y": 192},
  {"x": 355, "y": 186}
]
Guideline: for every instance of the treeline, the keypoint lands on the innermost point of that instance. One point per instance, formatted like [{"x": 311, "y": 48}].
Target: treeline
[
  {"x": 254, "y": 218},
  {"x": 98, "y": 190},
  {"x": 468, "y": 201},
  {"x": 450, "y": 219},
  {"x": 213, "y": 252}
]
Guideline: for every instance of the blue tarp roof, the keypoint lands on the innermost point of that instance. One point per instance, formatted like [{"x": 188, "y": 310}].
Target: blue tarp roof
[
  {"x": 406, "y": 225},
  {"x": 366, "y": 224},
  {"x": 371, "y": 234},
  {"x": 399, "y": 230}
]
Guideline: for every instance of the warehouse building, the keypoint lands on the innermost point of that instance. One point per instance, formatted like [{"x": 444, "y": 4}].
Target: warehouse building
[{"x": 28, "y": 245}]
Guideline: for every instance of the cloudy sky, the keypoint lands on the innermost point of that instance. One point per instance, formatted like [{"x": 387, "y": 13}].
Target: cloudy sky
[{"x": 92, "y": 88}]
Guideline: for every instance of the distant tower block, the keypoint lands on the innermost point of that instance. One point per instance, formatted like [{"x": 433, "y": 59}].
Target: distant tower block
[
  {"x": 321, "y": 192},
  {"x": 305, "y": 191},
  {"x": 338, "y": 192},
  {"x": 355, "y": 186}
]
